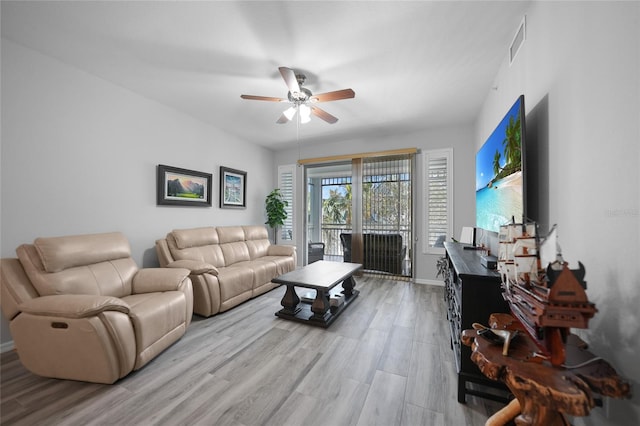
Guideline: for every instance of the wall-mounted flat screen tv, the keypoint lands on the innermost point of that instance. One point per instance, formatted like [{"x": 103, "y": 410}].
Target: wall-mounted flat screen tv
[{"x": 500, "y": 178}]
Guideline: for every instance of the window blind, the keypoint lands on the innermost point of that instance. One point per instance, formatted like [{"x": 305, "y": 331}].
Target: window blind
[
  {"x": 387, "y": 214},
  {"x": 286, "y": 183},
  {"x": 437, "y": 200}
]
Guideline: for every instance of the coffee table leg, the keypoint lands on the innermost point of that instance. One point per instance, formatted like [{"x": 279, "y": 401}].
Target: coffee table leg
[
  {"x": 290, "y": 301},
  {"x": 320, "y": 307},
  {"x": 348, "y": 285}
]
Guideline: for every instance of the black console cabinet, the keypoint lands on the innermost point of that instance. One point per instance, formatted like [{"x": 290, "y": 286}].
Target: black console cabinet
[{"x": 472, "y": 293}]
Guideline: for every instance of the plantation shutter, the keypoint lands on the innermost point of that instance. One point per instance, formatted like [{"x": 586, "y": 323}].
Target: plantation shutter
[
  {"x": 438, "y": 196},
  {"x": 286, "y": 183}
]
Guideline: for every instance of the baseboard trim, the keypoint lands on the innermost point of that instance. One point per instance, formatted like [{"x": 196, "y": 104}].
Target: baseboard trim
[
  {"x": 429, "y": 282},
  {"x": 6, "y": 346}
]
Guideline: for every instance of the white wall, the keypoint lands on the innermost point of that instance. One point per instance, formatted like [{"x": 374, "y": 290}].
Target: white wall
[
  {"x": 579, "y": 70},
  {"x": 580, "y": 73},
  {"x": 460, "y": 138},
  {"x": 79, "y": 155}
]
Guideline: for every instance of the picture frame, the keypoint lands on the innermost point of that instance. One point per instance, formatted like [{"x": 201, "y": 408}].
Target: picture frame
[
  {"x": 183, "y": 187},
  {"x": 233, "y": 188}
]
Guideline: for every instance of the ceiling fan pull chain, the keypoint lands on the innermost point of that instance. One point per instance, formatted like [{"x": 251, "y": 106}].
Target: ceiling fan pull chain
[{"x": 298, "y": 131}]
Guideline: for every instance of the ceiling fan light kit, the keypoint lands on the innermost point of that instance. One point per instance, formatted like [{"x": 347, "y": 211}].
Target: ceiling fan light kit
[
  {"x": 300, "y": 97},
  {"x": 290, "y": 112},
  {"x": 305, "y": 113}
]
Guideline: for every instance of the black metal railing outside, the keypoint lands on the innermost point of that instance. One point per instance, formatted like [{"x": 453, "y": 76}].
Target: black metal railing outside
[{"x": 331, "y": 236}]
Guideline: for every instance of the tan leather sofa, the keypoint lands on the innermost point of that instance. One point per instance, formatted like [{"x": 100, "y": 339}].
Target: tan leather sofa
[
  {"x": 228, "y": 265},
  {"x": 79, "y": 308}
]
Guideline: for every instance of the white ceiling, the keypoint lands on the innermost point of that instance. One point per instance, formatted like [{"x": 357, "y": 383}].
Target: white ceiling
[{"x": 412, "y": 64}]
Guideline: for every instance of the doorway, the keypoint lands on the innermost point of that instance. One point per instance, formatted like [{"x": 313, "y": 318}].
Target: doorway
[{"x": 361, "y": 211}]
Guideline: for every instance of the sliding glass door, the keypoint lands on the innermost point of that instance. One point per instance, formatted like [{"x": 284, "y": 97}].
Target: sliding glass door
[
  {"x": 328, "y": 206},
  {"x": 387, "y": 212},
  {"x": 361, "y": 211}
]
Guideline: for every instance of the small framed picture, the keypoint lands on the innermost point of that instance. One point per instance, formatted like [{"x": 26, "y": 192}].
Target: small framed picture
[
  {"x": 233, "y": 188},
  {"x": 182, "y": 187}
]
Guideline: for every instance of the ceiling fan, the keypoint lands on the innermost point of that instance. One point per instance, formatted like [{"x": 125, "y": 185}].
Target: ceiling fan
[{"x": 302, "y": 99}]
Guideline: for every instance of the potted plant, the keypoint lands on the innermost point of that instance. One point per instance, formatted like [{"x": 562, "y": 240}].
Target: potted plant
[{"x": 276, "y": 214}]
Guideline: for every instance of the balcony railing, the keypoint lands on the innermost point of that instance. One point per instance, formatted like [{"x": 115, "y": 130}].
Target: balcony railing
[
  {"x": 331, "y": 235},
  {"x": 331, "y": 238}
]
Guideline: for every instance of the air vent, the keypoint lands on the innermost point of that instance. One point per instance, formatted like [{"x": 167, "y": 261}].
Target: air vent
[{"x": 518, "y": 41}]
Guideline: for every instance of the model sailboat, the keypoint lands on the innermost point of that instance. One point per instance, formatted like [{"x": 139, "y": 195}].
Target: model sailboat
[{"x": 545, "y": 295}]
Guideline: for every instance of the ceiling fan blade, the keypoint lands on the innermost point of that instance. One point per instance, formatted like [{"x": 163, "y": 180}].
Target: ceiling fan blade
[
  {"x": 262, "y": 98},
  {"x": 290, "y": 79},
  {"x": 323, "y": 115},
  {"x": 334, "y": 96}
]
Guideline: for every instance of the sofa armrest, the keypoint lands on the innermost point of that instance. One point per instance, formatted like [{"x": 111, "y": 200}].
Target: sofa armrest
[
  {"x": 195, "y": 266},
  {"x": 163, "y": 252},
  {"x": 149, "y": 280},
  {"x": 73, "y": 305},
  {"x": 279, "y": 250}
]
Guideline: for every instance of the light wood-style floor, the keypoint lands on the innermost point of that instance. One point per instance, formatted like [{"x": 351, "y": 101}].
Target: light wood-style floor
[{"x": 385, "y": 361}]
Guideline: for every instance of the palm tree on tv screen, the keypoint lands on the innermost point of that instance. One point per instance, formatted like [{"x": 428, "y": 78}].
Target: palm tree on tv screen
[
  {"x": 512, "y": 146},
  {"x": 496, "y": 163}
]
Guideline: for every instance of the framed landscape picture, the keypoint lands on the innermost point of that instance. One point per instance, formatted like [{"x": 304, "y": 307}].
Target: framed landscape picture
[
  {"x": 233, "y": 188},
  {"x": 182, "y": 187}
]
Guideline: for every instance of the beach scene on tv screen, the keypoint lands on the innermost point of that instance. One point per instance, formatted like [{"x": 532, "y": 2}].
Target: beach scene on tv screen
[{"x": 499, "y": 180}]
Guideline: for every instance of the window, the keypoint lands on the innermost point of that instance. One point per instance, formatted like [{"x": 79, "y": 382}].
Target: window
[
  {"x": 438, "y": 200},
  {"x": 286, "y": 183},
  {"x": 368, "y": 193}
]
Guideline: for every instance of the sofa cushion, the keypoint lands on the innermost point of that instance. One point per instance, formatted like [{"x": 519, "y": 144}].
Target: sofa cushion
[
  {"x": 230, "y": 234},
  {"x": 236, "y": 286},
  {"x": 210, "y": 253},
  {"x": 283, "y": 263},
  {"x": 235, "y": 252},
  {"x": 109, "y": 278},
  {"x": 257, "y": 248},
  {"x": 255, "y": 232},
  {"x": 195, "y": 237},
  {"x": 257, "y": 240},
  {"x": 60, "y": 253},
  {"x": 233, "y": 245},
  {"x": 263, "y": 270}
]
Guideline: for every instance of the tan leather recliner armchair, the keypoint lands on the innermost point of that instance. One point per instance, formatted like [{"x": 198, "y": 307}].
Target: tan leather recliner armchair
[{"x": 79, "y": 307}]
